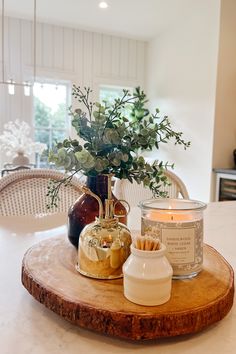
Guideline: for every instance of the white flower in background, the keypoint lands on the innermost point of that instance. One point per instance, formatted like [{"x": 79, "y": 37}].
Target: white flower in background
[{"x": 15, "y": 139}]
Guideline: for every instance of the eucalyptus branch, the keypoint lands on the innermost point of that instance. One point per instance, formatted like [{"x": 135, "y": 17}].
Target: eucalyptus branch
[
  {"x": 54, "y": 188},
  {"x": 121, "y": 103},
  {"x": 84, "y": 98},
  {"x": 112, "y": 136}
]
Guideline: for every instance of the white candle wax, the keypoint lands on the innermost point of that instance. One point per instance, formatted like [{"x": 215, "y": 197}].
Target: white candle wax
[{"x": 181, "y": 230}]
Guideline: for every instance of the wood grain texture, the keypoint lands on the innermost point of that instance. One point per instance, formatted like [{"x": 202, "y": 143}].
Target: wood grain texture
[{"x": 48, "y": 273}]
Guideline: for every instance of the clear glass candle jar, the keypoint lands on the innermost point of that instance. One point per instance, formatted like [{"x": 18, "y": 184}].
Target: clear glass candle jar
[{"x": 178, "y": 223}]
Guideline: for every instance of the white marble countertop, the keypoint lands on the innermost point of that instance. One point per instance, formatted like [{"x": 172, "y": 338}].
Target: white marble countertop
[{"x": 27, "y": 327}]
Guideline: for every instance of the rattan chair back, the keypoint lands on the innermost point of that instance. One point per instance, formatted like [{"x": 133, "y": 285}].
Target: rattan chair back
[
  {"x": 24, "y": 192},
  {"x": 133, "y": 193}
]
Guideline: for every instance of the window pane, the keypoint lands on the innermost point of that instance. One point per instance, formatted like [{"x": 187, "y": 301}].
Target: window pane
[
  {"x": 110, "y": 93},
  {"x": 58, "y": 118},
  {"x": 44, "y": 161},
  {"x": 57, "y": 135},
  {"x": 50, "y": 112},
  {"x": 42, "y": 114},
  {"x": 43, "y": 136}
]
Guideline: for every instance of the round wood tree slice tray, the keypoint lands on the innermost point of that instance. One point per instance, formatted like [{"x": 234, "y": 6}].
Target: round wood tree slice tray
[{"x": 48, "y": 273}]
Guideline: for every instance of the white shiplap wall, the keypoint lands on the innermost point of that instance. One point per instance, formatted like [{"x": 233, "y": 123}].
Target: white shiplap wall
[{"x": 66, "y": 54}]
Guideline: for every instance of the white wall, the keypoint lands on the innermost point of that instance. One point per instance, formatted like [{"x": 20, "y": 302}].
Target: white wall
[
  {"x": 75, "y": 56},
  {"x": 182, "y": 64},
  {"x": 225, "y": 120}
]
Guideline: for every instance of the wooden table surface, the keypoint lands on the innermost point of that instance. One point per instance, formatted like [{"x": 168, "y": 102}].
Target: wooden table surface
[{"x": 49, "y": 274}]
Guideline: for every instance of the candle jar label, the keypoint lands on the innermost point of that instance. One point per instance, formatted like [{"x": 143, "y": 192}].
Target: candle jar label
[{"x": 183, "y": 240}]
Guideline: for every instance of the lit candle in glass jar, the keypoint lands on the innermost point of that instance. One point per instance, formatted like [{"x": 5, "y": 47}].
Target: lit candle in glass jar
[{"x": 178, "y": 223}]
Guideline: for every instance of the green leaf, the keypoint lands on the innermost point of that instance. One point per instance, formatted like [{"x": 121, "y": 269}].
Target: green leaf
[{"x": 111, "y": 137}]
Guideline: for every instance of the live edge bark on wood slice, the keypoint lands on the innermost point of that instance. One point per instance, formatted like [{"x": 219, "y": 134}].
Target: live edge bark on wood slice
[{"x": 48, "y": 273}]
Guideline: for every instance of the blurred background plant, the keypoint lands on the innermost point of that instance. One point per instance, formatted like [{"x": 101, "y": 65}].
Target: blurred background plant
[{"x": 114, "y": 136}]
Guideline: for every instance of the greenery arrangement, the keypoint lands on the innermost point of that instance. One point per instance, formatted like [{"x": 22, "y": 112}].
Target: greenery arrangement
[{"x": 112, "y": 138}]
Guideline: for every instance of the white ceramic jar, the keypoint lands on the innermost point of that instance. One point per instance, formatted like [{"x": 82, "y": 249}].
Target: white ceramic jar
[{"x": 147, "y": 277}]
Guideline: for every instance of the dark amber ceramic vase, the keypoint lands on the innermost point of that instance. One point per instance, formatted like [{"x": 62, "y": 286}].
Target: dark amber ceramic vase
[{"x": 86, "y": 208}]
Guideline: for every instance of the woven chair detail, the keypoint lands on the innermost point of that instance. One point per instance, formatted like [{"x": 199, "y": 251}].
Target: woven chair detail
[
  {"x": 177, "y": 188},
  {"x": 134, "y": 193},
  {"x": 24, "y": 192}
]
